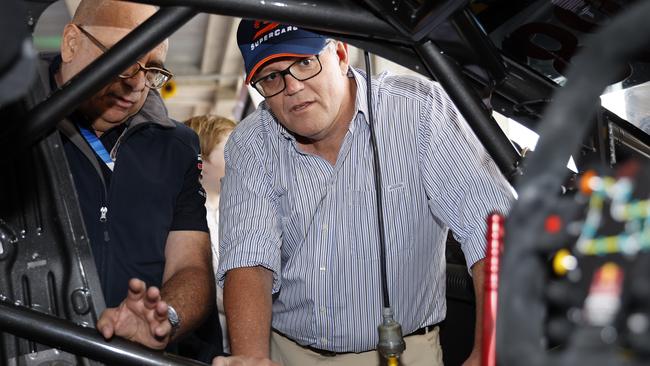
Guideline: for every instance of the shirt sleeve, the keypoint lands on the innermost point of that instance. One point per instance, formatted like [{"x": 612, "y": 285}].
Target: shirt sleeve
[
  {"x": 189, "y": 212},
  {"x": 249, "y": 231},
  {"x": 462, "y": 182}
]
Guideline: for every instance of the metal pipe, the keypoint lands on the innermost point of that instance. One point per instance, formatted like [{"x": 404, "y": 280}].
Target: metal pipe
[
  {"x": 415, "y": 21},
  {"x": 524, "y": 84},
  {"x": 86, "y": 342},
  {"x": 470, "y": 106},
  {"x": 207, "y": 77},
  {"x": 346, "y": 17},
  {"x": 42, "y": 118},
  {"x": 630, "y": 140},
  {"x": 471, "y": 32}
]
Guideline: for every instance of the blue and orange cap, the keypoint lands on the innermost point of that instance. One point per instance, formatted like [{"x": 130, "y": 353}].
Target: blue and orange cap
[{"x": 260, "y": 42}]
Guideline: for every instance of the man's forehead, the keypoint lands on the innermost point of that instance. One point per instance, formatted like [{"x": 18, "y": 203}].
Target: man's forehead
[
  {"x": 111, "y": 35},
  {"x": 118, "y": 14}
]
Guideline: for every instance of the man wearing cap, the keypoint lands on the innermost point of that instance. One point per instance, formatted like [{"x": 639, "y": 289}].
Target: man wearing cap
[{"x": 299, "y": 234}]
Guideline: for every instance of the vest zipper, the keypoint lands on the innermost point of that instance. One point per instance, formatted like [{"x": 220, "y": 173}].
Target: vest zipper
[
  {"x": 102, "y": 213},
  {"x": 102, "y": 218}
]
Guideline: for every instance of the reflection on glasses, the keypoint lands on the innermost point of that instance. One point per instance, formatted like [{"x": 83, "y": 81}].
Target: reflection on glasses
[
  {"x": 154, "y": 77},
  {"x": 274, "y": 83}
]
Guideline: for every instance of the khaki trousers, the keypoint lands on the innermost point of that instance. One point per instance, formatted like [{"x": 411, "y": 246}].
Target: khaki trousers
[{"x": 421, "y": 350}]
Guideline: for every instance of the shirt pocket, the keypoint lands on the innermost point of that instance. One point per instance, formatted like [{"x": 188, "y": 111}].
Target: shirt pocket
[
  {"x": 364, "y": 227},
  {"x": 400, "y": 218},
  {"x": 361, "y": 224}
]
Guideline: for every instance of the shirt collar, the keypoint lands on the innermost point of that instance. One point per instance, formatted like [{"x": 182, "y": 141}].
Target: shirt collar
[{"x": 361, "y": 103}]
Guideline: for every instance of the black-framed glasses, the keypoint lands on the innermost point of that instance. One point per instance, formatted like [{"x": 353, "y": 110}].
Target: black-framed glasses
[
  {"x": 273, "y": 84},
  {"x": 154, "y": 77}
]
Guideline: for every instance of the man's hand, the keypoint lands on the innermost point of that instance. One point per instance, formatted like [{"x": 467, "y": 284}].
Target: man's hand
[
  {"x": 242, "y": 361},
  {"x": 141, "y": 317},
  {"x": 478, "y": 279},
  {"x": 474, "y": 359}
]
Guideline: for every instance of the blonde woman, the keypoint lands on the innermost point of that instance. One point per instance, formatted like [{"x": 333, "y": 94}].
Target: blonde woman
[{"x": 213, "y": 133}]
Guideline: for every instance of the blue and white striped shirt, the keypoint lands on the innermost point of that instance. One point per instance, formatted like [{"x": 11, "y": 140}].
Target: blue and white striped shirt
[{"x": 315, "y": 225}]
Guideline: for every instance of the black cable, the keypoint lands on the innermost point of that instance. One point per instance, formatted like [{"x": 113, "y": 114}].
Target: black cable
[{"x": 378, "y": 190}]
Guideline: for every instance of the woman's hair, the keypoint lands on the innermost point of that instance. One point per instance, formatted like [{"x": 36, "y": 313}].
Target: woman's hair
[{"x": 211, "y": 130}]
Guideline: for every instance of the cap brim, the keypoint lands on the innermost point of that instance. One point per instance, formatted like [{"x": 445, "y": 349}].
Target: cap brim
[{"x": 268, "y": 58}]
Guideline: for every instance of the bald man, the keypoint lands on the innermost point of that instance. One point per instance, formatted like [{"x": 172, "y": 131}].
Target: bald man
[{"x": 137, "y": 179}]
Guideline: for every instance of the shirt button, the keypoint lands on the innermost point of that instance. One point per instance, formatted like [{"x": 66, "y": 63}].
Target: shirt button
[
  {"x": 325, "y": 228},
  {"x": 322, "y": 269},
  {"x": 322, "y": 310},
  {"x": 323, "y": 340}
]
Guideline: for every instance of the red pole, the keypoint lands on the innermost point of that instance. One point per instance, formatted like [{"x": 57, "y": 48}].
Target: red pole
[{"x": 495, "y": 231}]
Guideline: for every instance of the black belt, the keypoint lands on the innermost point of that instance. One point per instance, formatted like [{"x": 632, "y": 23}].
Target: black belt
[
  {"x": 326, "y": 353},
  {"x": 423, "y": 330}
]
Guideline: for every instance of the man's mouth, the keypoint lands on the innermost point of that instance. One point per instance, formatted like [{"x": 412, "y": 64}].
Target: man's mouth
[
  {"x": 122, "y": 102},
  {"x": 300, "y": 107}
]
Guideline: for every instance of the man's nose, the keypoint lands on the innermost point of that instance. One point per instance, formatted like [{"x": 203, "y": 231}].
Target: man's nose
[
  {"x": 292, "y": 85},
  {"x": 137, "y": 81}
]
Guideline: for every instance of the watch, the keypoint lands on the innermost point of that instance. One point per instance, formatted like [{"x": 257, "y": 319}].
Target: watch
[{"x": 173, "y": 318}]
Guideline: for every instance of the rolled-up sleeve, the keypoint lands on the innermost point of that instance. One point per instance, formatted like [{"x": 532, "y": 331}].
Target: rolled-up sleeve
[
  {"x": 462, "y": 182},
  {"x": 249, "y": 232}
]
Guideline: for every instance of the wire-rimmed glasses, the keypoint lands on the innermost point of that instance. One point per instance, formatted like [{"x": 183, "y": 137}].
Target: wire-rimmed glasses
[{"x": 155, "y": 77}]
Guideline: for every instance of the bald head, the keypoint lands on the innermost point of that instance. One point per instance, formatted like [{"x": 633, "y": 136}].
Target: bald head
[
  {"x": 112, "y": 13},
  {"x": 98, "y": 25}
]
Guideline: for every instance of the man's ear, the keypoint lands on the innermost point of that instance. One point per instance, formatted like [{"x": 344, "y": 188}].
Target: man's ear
[
  {"x": 344, "y": 56},
  {"x": 70, "y": 42}
]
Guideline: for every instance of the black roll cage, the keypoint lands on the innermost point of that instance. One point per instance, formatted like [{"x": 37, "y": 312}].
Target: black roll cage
[{"x": 368, "y": 24}]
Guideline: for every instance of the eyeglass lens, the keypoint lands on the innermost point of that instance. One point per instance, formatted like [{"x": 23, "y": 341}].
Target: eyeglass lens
[
  {"x": 301, "y": 70},
  {"x": 154, "y": 77}
]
